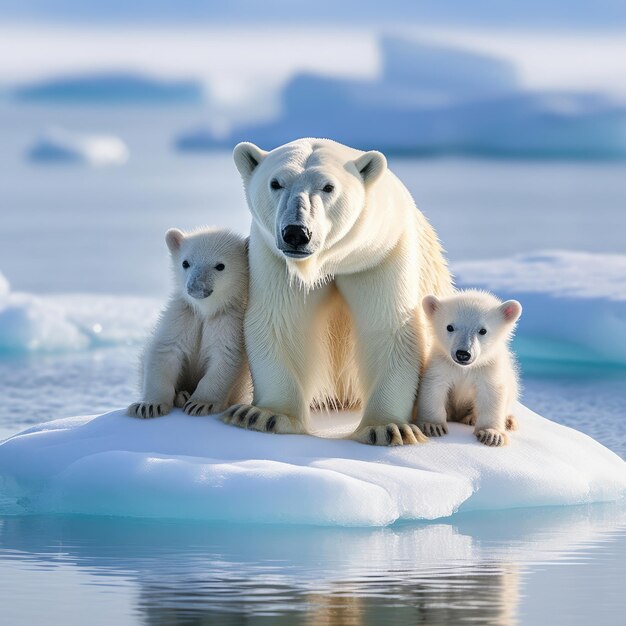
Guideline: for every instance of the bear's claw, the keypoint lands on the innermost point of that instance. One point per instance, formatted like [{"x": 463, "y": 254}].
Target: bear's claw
[
  {"x": 390, "y": 435},
  {"x": 255, "y": 418},
  {"x": 432, "y": 429},
  {"x": 511, "y": 423},
  {"x": 199, "y": 407},
  {"x": 147, "y": 410},
  {"x": 492, "y": 437},
  {"x": 181, "y": 399}
]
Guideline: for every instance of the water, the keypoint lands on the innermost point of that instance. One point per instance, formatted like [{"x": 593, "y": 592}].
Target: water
[
  {"x": 516, "y": 567},
  {"x": 72, "y": 229}
]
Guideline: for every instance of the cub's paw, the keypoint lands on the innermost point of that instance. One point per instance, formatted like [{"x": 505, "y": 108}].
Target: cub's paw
[
  {"x": 181, "y": 399},
  {"x": 263, "y": 420},
  {"x": 511, "y": 423},
  {"x": 469, "y": 419},
  {"x": 432, "y": 429},
  {"x": 491, "y": 437},
  {"x": 390, "y": 435},
  {"x": 146, "y": 410},
  {"x": 201, "y": 407}
]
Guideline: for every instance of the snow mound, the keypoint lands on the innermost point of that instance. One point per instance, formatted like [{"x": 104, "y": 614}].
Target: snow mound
[
  {"x": 31, "y": 323},
  {"x": 198, "y": 468},
  {"x": 61, "y": 146},
  {"x": 574, "y": 302}
]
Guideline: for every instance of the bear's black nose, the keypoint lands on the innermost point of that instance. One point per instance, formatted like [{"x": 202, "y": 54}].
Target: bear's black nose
[
  {"x": 463, "y": 356},
  {"x": 295, "y": 235}
]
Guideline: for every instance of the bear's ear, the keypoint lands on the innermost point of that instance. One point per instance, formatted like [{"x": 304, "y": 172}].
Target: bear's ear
[
  {"x": 510, "y": 311},
  {"x": 247, "y": 156},
  {"x": 430, "y": 304},
  {"x": 174, "y": 238},
  {"x": 371, "y": 166}
]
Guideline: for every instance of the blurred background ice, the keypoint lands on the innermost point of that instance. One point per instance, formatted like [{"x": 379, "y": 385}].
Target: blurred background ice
[{"x": 506, "y": 121}]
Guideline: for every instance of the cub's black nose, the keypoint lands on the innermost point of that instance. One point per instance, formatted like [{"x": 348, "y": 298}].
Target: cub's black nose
[
  {"x": 463, "y": 356},
  {"x": 296, "y": 235}
]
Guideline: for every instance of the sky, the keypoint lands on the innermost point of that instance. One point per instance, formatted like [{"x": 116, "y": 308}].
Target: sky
[{"x": 559, "y": 14}]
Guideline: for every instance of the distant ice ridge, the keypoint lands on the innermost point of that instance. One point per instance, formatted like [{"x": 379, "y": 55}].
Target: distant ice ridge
[
  {"x": 198, "y": 468},
  {"x": 574, "y": 302},
  {"x": 436, "y": 99},
  {"x": 56, "y": 145},
  {"x": 31, "y": 323},
  {"x": 111, "y": 88}
]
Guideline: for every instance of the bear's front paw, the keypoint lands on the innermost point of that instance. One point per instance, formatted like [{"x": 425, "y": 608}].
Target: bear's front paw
[
  {"x": 390, "y": 435},
  {"x": 433, "y": 429},
  {"x": 491, "y": 437},
  {"x": 201, "y": 407},
  {"x": 181, "y": 399},
  {"x": 469, "y": 419},
  {"x": 146, "y": 410},
  {"x": 263, "y": 420},
  {"x": 511, "y": 423}
]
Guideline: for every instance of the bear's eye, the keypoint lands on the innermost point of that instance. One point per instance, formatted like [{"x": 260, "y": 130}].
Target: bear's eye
[
  {"x": 482, "y": 331},
  {"x": 450, "y": 328},
  {"x": 275, "y": 184},
  {"x": 185, "y": 264},
  {"x": 328, "y": 188},
  {"x": 219, "y": 267}
]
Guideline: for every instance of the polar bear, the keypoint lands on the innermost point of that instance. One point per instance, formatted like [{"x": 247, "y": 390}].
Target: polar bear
[
  {"x": 195, "y": 358},
  {"x": 471, "y": 375},
  {"x": 340, "y": 259}
]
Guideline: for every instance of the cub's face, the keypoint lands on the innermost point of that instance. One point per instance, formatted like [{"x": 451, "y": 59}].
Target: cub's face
[
  {"x": 210, "y": 267},
  {"x": 306, "y": 196},
  {"x": 469, "y": 326}
]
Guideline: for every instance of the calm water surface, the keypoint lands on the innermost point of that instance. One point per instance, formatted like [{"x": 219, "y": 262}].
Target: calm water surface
[{"x": 532, "y": 566}]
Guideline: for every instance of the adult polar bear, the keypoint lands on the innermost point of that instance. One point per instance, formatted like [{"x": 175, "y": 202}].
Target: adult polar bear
[{"x": 340, "y": 259}]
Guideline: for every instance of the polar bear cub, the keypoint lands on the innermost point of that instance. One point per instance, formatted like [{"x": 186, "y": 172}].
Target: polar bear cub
[
  {"x": 471, "y": 375},
  {"x": 195, "y": 358}
]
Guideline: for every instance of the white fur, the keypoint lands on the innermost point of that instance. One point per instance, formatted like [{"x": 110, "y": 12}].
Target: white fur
[
  {"x": 342, "y": 326},
  {"x": 195, "y": 357},
  {"x": 482, "y": 392}
]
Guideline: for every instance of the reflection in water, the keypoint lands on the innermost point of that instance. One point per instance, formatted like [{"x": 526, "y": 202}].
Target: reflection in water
[{"x": 469, "y": 570}]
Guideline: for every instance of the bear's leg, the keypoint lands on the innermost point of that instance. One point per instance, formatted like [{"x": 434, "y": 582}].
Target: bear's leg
[
  {"x": 225, "y": 359},
  {"x": 431, "y": 404},
  {"x": 490, "y": 407},
  {"x": 282, "y": 329},
  {"x": 161, "y": 369},
  {"x": 388, "y": 358}
]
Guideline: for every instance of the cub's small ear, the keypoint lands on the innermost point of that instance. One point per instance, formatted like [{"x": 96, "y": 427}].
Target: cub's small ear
[
  {"x": 371, "y": 166},
  {"x": 174, "y": 238},
  {"x": 247, "y": 157},
  {"x": 511, "y": 311},
  {"x": 430, "y": 304}
]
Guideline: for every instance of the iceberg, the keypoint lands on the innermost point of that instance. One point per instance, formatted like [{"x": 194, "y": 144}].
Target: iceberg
[
  {"x": 184, "y": 467},
  {"x": 574, "y": 302},
  {"x": 111, "y": 88},
  {"x": 60, "y": 146},
  {"x": 30, "y": 323},
  {"x": 432, "y": 99}
]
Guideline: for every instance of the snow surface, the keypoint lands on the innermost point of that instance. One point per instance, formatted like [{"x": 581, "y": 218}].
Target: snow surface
[
  {"x": 60, "y": 146},
  {"x": 574, "y": 302},
  {"x": 198, "y": 468},
  {"x": 30, "y": 323}
]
